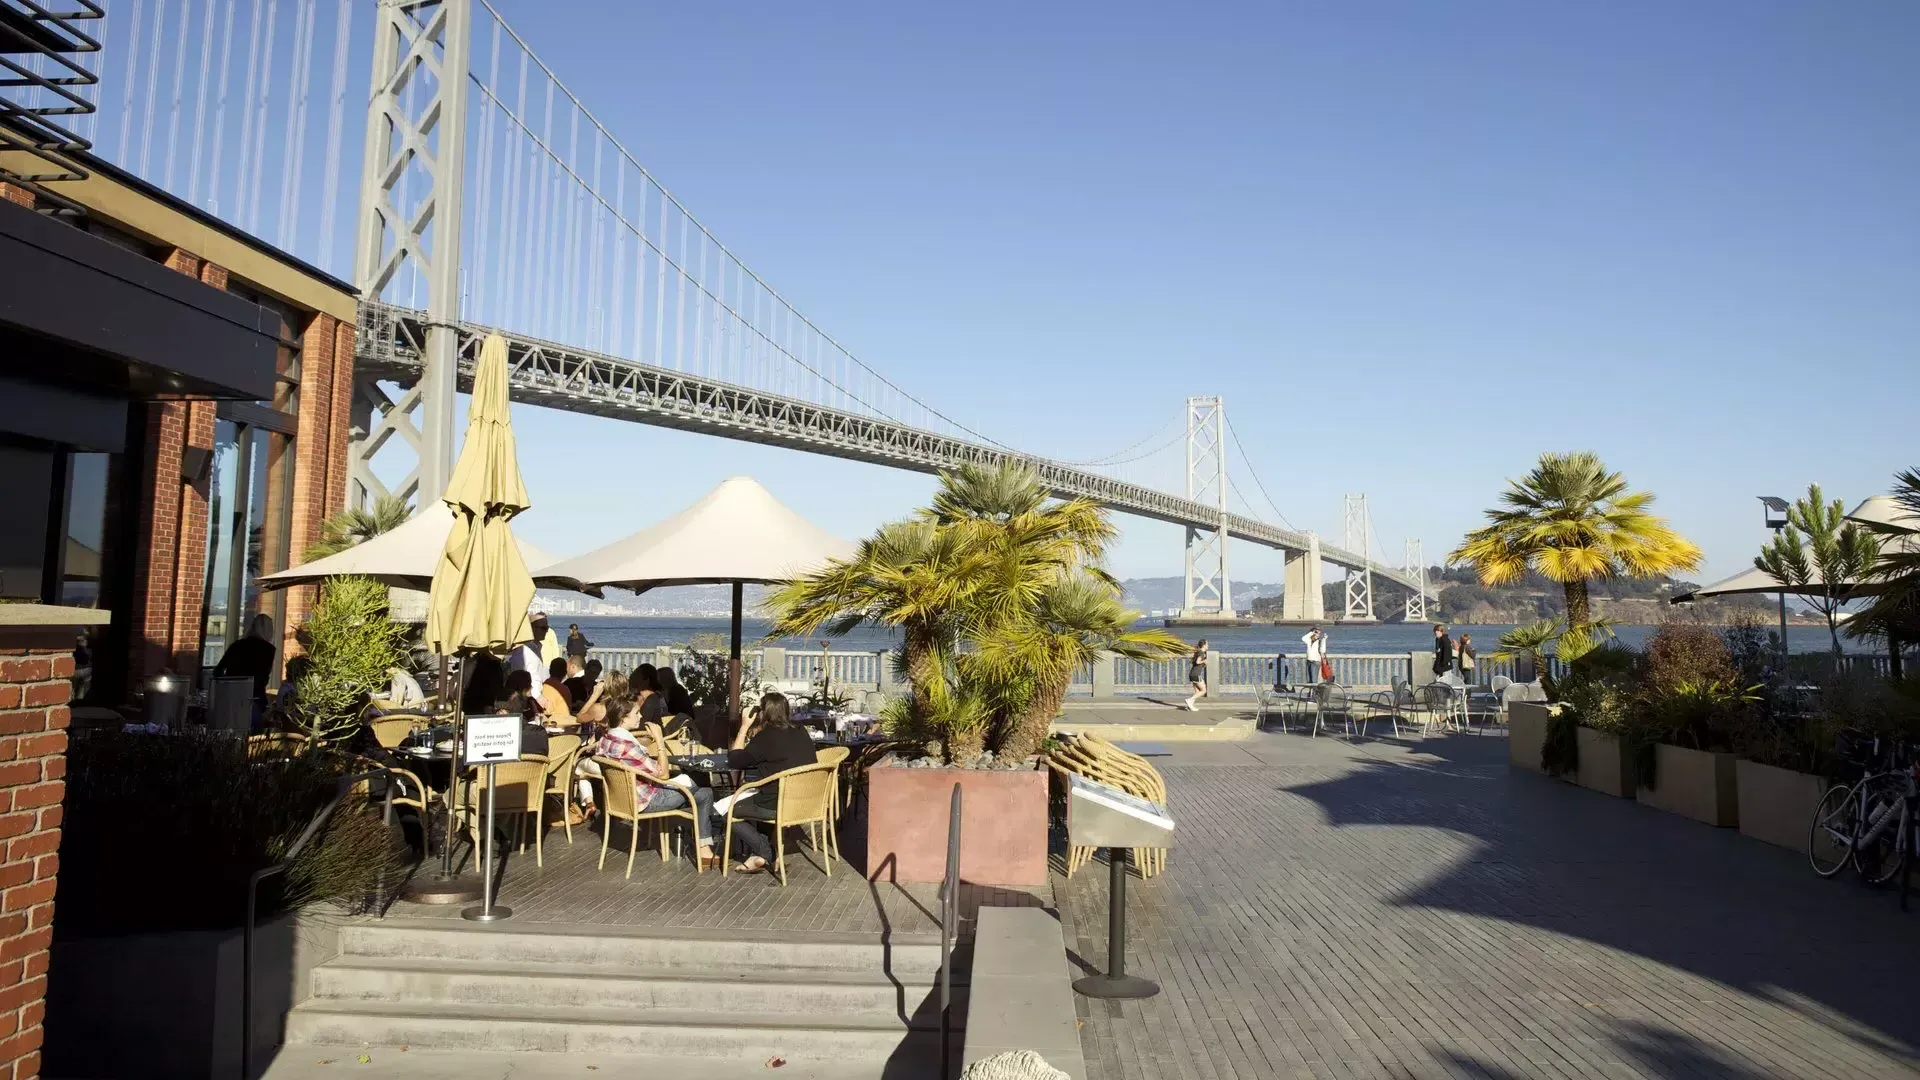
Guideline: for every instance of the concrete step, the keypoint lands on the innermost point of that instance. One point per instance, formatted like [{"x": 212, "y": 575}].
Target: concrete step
[
  {"x": 369, "y": 979},
  {"x": 903, "y": 956},
  {"x": 609, "y": 1029},
  {"x": 912, "y": 1062}
]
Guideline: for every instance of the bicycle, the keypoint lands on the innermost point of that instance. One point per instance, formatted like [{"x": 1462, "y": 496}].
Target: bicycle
[{"x": 1865, "y": 824}]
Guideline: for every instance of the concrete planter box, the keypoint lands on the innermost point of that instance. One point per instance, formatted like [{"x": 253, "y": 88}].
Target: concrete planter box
[
  {"x": 168, "y": 1005},
  {"x": 1526, "y": 733},
  {"x": 1695, "y": 784},
  {"x": 1605, "y": 764},
  {"x": 1776, "y": 805},
  {"x": 1003, "y": 825}
]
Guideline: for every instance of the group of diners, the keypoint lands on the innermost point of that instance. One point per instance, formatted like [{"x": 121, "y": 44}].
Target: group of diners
[{"x": 626, "y": 718}]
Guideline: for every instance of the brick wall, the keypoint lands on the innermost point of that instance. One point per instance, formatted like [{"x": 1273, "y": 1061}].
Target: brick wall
[
  {"x": 34, "y": 666},
  {"x": 17, "y": 195}
]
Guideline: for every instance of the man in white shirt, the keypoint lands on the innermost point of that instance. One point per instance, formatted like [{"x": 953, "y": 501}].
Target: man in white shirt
[
  {"x": 1316, "y": 643},
  {"x": 537, "y": 655}
]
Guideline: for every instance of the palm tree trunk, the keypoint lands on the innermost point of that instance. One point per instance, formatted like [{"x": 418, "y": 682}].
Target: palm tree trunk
[
  {"x": 1029, "y": 729},
  {"x": 1579, "y": 609}
]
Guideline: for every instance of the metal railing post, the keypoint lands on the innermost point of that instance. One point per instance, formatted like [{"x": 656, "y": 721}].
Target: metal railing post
[{"x": 949, "y": 924}]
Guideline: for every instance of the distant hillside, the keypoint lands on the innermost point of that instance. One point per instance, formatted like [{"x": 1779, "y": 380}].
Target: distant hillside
[{"x": 1167, "y": 593}]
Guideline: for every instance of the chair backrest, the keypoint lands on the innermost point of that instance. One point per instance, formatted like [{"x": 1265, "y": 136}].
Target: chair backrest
[
  {"x": 622, "y": 798},
  {"x": 831, "y": 755},
  {"x": 1323, "y": 693},
  {"x": 275, "y": 743},
  {"x": 1500, "y": 682},
  {"x": 805, "y": 793},
  {"x": 522, "y": 784},
  {"x": 561, "y": 752},
  {"x": 391, "y": 731}
]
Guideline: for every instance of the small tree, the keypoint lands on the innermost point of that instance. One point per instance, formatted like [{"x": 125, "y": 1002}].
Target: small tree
[
  {"x": 1819, "y": 554},
  {"x": 352, "y": 644}
]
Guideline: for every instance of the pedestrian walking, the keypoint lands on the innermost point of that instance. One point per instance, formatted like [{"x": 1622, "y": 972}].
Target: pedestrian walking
[
  {"x": 1465, "y": 653},
  {"x": 1442, "y": 651},
  {"x": 577, "y": 643},
  {"x": 1197, "y": 674}
]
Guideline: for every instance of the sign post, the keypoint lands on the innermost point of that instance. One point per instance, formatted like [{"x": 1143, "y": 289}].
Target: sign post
[
  {"x": 1103, "y": 816},
  {"x": 490, "y": 740}
]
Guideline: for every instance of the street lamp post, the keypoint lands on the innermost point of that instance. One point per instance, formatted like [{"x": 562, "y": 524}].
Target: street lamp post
[{"x": 1771, "y": 505}]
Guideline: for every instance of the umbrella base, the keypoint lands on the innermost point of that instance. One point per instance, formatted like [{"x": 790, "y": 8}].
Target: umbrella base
[
  {"x": 477, "y": 913},
  {"x": 435, "y": 889}
]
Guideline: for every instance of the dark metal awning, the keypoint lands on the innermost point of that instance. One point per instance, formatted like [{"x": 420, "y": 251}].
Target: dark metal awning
[{"x": 87, "y": 315}]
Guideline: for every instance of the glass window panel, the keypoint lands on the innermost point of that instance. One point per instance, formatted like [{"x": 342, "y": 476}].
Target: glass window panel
[
  {"x": 26, "y": 490},
  {"x": 86, "y": 529},
  {"x": 222, "y": 518}
]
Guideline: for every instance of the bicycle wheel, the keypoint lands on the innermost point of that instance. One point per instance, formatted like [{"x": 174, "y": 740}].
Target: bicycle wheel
[
  {"x": 1877, "y": 845},
  {"x": 1830, "y": 843}
]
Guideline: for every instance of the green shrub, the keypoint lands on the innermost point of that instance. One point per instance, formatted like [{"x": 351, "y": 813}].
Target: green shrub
[
  {"x": 161, "y": 833},
  {"x": 703, "y": 671},
  {"x": 352, "y": 644}
]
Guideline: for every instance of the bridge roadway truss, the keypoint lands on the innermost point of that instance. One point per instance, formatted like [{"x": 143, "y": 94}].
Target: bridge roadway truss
[{"x": 390, "y": 346}]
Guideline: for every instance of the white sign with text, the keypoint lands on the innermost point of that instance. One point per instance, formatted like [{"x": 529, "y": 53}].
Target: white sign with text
[{"x": 493, "y": 738}]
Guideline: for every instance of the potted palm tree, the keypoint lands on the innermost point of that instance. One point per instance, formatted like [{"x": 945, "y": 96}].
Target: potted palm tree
[
  {"x": 999, "y": 595},
  {"x": 1573, "y": 521}
]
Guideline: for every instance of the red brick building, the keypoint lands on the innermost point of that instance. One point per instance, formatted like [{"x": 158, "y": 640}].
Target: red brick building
[{"x": 173, "y": 423}]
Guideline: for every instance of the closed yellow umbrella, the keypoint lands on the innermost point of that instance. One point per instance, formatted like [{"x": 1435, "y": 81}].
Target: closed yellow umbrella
[{"x": 481, "y": 588}]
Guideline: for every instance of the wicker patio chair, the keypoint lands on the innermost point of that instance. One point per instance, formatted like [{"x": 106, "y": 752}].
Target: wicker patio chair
[
  {"x": 620, "y": 800},
  {"x": 390, "y": 731},
  {"x": 835, "y": 756},
  {"x": 805, "y": 797},
  {"x": 563, "y": 752},
  {"x": 519, "y": 792}
]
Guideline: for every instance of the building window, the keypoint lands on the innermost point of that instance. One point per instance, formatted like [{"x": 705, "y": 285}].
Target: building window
[
  {"x": 249, "y": 514},
  {"x": 84, "y": 536}
]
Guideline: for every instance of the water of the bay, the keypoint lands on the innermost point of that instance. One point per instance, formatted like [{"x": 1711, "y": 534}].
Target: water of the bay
[{"x": 631, "y": 631}]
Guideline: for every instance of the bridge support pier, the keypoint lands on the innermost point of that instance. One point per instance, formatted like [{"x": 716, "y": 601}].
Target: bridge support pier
[
  {"x": 1303, "y": 601},
  {"x": 1209, "y": 591}
]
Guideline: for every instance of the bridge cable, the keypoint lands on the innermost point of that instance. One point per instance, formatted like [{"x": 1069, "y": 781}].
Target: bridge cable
[
  {"x": 1251, "y": 471},
  {"x": 554, "y": 79},
  {"x": 1116, "y": 458}
]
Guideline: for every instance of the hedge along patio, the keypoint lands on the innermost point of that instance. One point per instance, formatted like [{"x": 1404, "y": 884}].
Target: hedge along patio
[{"x": 849, "y": 671}]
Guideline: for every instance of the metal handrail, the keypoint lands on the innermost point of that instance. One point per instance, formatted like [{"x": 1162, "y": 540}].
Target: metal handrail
[
  {"x": 320, "y": 818},
  {"x": 949, "y": 921}
]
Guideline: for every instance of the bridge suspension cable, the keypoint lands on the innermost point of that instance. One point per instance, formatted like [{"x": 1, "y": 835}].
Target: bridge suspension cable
[
  {"x": 1255, "y": 473},
  {"x": 557, "y": 187}
]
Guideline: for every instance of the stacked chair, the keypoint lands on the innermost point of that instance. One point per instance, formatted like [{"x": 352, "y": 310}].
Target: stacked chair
[{"x": 1096, "y": 759}]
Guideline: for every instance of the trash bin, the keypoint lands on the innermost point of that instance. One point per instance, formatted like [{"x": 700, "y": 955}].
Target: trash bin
[{"x": 230, "y": 704}]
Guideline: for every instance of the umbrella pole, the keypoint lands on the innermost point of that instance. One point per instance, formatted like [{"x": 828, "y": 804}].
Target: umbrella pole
[
  {"x": 443, "y": 886},
  {"x": 733, "y": 660}
]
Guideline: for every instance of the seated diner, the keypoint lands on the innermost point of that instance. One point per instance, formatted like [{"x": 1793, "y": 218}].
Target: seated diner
[
  {"x": 771, "y": 744},
  {"x": 646, "y": 754}
]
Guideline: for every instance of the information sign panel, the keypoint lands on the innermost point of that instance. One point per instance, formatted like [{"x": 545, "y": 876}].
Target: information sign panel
[
  {"x": 1103, "y": 816},
  {"x": 493, "y": 738}
]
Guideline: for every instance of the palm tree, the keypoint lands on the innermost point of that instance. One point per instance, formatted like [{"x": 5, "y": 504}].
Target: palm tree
[
  {"x": 1078, "y": 617},
  {"x": 1895, "y": 613},
  {"x": 914, "y": 575},
  {"x": 1835, "y": 553},
  {"x": 1573, "y": 521},
  {"x": 357, "y": 525}
]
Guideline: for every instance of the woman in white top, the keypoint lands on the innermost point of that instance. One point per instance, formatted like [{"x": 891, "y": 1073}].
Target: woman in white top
[{"x": 1316, "y": 643}]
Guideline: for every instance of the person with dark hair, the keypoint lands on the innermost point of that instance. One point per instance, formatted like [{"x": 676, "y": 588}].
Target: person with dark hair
[
  {"x": 1442, "y": 651},
  {"x": 645, "y": 677},
  {"x": 679, "y": 701},
  {"x": 486, "y": 683},
  {"x": 646, "y": 755},
  {"x": 577, "y": 643},
  {"x": 553, "y": 694},
  {"x": 773, "y": 743}
]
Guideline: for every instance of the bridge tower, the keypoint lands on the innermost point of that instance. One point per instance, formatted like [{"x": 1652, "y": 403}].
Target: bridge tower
[
  {"x": 1359, "y": 582},
  {"x": 1416, "y": 569},
  {"x": 416, "y": 139},
  {"x": 1209, "y": 591}
]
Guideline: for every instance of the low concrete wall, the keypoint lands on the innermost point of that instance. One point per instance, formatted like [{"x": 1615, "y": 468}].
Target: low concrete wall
[
  {"x": 1526, "y": 733},
  {"x": 168, "y": 1005},
  {"x": 1003, "y": 825},
  {"x": 1604, "y": 764},
  {"x": 1776, "y": 805},
  {"x": 1695, "y": 784},
  {"x": 1020, "y": 994}
]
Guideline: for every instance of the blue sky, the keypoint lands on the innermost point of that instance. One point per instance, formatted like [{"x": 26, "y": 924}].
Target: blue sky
[{"x": 1413, "y": 244}]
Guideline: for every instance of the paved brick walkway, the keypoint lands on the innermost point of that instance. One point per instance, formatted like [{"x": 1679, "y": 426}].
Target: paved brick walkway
[{"x": 1385, "y": 911}]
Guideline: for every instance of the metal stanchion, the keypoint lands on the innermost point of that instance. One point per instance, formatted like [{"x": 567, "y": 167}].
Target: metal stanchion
[
  {"x": 1116, "y": 983},
  {"x": 485, "y": 911}
]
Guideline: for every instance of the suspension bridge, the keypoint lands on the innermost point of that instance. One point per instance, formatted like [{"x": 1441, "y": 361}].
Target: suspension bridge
[{"x": 492, "y": 199}]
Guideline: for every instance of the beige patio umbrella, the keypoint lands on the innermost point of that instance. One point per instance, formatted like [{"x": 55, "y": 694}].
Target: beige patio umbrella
[
  {"x": 737, "y": 534},
  {"x": 481, "y": 588},
  {"x": 405, "y": 557}
]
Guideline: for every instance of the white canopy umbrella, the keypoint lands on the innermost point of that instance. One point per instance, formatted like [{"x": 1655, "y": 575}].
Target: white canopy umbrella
[
  {"x": 403, "y": 557},
  {"x": 1886, "y": 514},
  {"x": 1755, "y": 581},
  {"x": 736, "y": 534}
]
